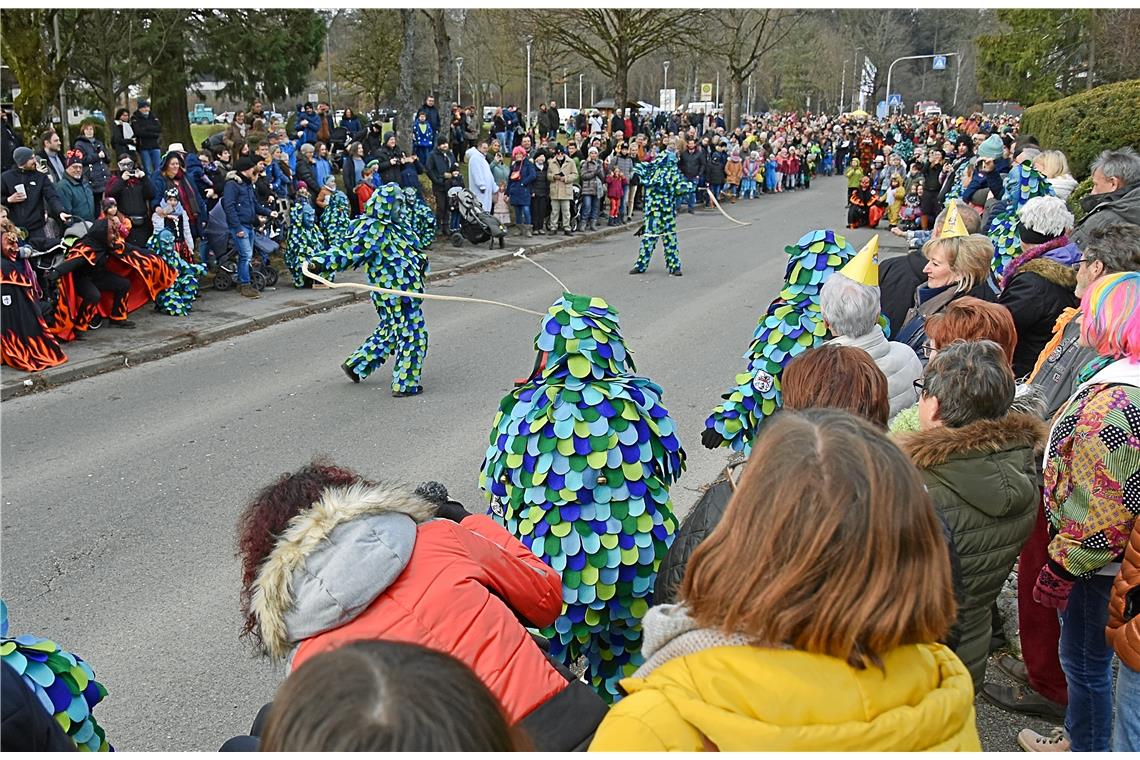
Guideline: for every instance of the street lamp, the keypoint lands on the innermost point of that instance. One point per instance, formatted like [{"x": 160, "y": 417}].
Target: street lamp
[
  {"x": 843, "y": 85},
  {"x": 666, "y": 65},
  {"x": 856, "y": 82},
  {"x": 565, "y": 89},
  {"x": 459, "y": 80},
  {"x": 579, "y": 91},
  {"x": 526, "y": 119}
]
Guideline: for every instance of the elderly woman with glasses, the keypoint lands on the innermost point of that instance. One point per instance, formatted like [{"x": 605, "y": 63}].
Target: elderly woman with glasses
[{"x": 978, "y": 462}]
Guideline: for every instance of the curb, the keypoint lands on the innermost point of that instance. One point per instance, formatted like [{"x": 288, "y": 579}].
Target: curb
[{"x": 33, "y": 382}]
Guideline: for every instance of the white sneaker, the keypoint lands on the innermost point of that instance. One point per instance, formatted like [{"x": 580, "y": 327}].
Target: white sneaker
[{"x": 1031, "y": 741}]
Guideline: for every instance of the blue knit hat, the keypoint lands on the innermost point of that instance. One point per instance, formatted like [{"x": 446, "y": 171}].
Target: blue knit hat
[{"x": 991, "y": 147}]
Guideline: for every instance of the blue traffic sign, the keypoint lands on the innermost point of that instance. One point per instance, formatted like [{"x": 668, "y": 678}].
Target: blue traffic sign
[
  {"x": 894, "y": 99},
  {"x": 939, "y": 62}
]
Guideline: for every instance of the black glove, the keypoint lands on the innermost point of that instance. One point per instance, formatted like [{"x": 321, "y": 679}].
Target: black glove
[
  {"x": 711, "y": 439},
  {"x": 51, "y": 275},
  {"x": 452, "y": 510},
  {"x": 436, "y": 493}
]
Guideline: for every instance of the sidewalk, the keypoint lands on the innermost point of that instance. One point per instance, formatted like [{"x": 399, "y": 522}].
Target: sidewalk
[{"x": 219, "y": 315}]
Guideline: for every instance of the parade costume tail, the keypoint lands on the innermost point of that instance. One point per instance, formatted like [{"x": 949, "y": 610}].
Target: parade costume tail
[
  {"x": 63, "y": 683},
  {"x": 178, "y": 299},
  {"x": 791, "y": 325},
  {"x": 1022, "y": 183},
  {"x": 25, "y": 342},
  {"x": 579, "y": 466}
]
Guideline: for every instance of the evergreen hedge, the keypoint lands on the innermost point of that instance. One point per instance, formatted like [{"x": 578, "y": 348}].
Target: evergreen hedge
[{"x": 1085, "y": 124}]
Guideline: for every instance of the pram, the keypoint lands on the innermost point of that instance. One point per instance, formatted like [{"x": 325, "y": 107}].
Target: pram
[
  {"x": 475, "y": 224},
  {"x": 221, "y": 247},
  {"x": 43, "y": 261}
]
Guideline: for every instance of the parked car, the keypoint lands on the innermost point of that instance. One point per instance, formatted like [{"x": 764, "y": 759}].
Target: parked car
[{"x": 202, "y": 114}]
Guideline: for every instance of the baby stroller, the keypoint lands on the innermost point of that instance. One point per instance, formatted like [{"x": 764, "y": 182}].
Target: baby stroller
[
  {"x": 475, "y": 224},
  {"x": 225, "y": 254},
  {"x": 43, "y": 261}
]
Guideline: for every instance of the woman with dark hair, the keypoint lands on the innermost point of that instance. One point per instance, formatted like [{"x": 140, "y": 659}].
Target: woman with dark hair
[
  {"x": 437, "y": 576},
  {"x": 123, "y": 136},
  {"x": 811, "y": 628},
  {"x": 385, "y": 696},
  {"x": 978, "y": 461}
]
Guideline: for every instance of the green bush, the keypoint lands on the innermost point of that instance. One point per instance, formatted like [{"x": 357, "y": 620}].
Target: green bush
[
  {"x": 1083, "y": 125},
  {"x": 1080, "y": 191}
]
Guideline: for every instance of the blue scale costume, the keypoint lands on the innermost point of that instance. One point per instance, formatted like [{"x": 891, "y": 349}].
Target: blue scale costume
[
  {"x": 663, "y": 184},
  {"x": 178, "y": 299},
  {"x": 1022, "y": 183},
  {"x": 422, "y": 219},
  {"x": 579, "y": 466},
  {"x": 389, "y": 250},
  {"x": 336, "y": 220},
  {"x": 304, "y": 238},
  {"x": 63, "y": 683},
  {"x": 791, "y": 325}
]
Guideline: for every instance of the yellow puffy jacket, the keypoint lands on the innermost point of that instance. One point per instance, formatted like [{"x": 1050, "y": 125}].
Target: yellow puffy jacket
[{"x": 743, "y": 698}]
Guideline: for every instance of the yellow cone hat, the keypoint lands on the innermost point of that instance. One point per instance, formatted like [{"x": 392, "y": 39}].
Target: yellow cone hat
[
  {"x": 864, "y": 268},
  {"x": 953, "y": 226}
]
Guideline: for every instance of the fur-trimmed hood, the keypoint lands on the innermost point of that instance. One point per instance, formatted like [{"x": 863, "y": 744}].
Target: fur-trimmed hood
[
  {"x": 989, "y": 465},
  {"x": 313, "y": 579},
  {"x": 1052, "y": 271},
  {"x": 930, "y": 448}
]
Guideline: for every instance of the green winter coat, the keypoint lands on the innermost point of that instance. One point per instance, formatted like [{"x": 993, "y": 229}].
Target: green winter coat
[{"x": 983, "y": 478}]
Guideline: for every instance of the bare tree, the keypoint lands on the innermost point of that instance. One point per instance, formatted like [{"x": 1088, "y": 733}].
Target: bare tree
[
  {"x": 445, "y": 79},
  {"x": 741, "y": 37},
  {"x": 406, "y": 101},
  {"x": 613, "y": 40}
]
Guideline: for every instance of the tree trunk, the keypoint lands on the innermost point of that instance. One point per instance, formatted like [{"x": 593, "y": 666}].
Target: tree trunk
[
  {"x": 169, "y": 85},
  {"x": 405, "y": 94},
  {"x": 446, "y": 78},
  {"x": 732, "y": 105}
]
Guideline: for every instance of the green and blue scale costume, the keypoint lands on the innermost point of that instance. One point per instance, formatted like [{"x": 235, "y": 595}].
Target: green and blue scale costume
[
  {"x": 1022, "y": 183},
  {"x": 304, "y": 238},
  {"x": 178, "y": 299},
  {"x": 579, "y": 466},
  {"x": 390, "y": 252},
  {"x": 791, "y": 325},
  {"x": 663, "y": 184}
]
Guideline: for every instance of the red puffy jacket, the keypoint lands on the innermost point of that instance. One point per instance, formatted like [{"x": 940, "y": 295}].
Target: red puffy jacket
[{"x": 367, "y": 562}]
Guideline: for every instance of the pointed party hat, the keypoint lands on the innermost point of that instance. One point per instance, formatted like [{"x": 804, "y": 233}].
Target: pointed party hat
[
  {"x": 864, "y": 268},
  {"x": 953, "y": 226}
]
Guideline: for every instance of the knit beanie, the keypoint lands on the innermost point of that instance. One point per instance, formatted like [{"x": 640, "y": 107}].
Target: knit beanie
[
  {"x": 1043, "y": 219},
  {"x": 991, "y": 147}
]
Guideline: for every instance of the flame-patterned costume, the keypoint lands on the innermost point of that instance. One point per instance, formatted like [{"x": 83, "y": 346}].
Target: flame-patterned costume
[
  {"x": 579, "y": 466},
  {"x": 25, "y": 342},
  {"x": 100, "y": 251},
  {"x": 63, "y": 683},
  {"x": 791, "y": 325},
  {"x": 389, "y": 250}
]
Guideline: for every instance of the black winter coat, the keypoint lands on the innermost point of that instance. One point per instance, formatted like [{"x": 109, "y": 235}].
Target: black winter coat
[
  {"x": 714, "y": 167},
  {"x": 898, "y": 279},
  {"x": 148, "y": 131},
  {"x": 95, "y": 161},
  {"x": 119, "y": 143},
  {"x": 390, "y": 172},
  {"x": 133, "y": 196},
  {"x": 307, "y": 174},
  {"x": 931, "y": 182},
  {"x": 541, "y": 186},
  {"x": 691, "y": 163},
  {"x": 42, "y": 198},
  {"x": 1036, "y": 295},
  {"x": 439, "y": 163}
]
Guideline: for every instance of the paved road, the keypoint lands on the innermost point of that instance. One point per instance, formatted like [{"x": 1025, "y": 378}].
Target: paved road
[{"x": 121, "y": 492}]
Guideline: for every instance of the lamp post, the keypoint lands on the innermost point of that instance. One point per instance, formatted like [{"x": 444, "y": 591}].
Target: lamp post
[
  {"x": 565, "y": 91},
  {"x": 666, "y": 65},
  {"x": 459, "y": 80},
  {"x": 916, "y": 57},
  {"x": 579, "y": 92},
  {"x": 526, "y": 119},
  {"x": 843, "y": 84},
  {"x": 856, "y": 84}
]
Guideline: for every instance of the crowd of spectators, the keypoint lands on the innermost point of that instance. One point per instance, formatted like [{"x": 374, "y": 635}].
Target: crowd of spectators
[{"x": 990, "y": 422}]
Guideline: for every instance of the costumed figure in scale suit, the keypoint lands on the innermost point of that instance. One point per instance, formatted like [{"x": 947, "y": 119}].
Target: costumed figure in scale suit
[
  {"x": 791, "y": 325},
  {"x": 390, "y": 252},
  {"x": 663, "y": 183},
  {"x": 579, "y": 466}
]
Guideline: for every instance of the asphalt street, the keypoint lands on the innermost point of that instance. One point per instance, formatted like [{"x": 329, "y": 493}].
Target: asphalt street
[{"x": 121, "y": 492}]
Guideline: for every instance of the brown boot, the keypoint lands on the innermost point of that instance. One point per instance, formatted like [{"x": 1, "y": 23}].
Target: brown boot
[{"x": 248, "y": 291}]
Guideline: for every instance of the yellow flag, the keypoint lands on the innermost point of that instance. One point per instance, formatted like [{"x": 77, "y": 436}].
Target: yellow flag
[
  {"x": 864, "y": 268},
  {"x": 952, "y": 226}
]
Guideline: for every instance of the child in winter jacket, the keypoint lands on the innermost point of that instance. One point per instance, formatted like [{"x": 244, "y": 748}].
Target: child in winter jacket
[
  {"x": 792, "y": 172},
  {"x": 751, "y": 171},
  {"x": 733, "y": 174},
  {"x": 616, "y": 183},
  {"x": 170, "y": 215},
  {"x": 894, "y": 198},
  {"x": 771, "y": 176}
]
